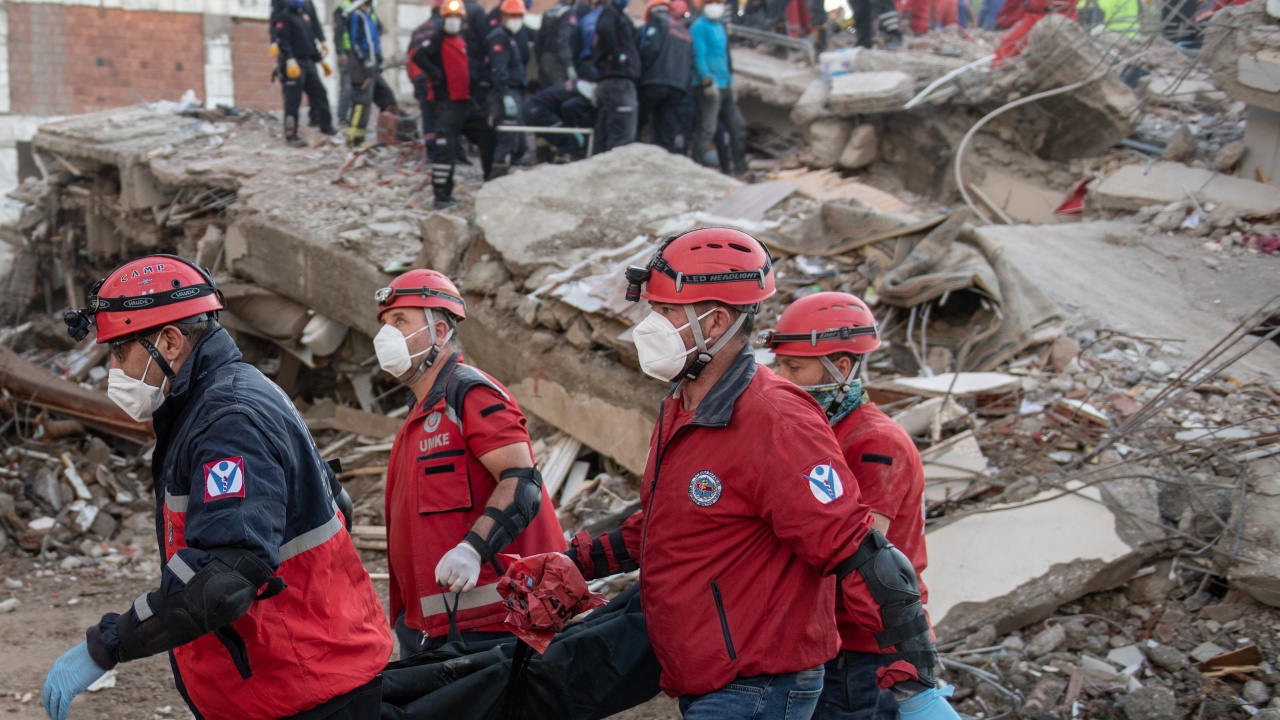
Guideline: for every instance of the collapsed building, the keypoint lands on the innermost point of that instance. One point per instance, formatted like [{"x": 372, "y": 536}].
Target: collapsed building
[{"x": 1132, "y": 462}]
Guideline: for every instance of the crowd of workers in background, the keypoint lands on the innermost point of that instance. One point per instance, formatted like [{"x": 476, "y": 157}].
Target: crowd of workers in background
[{"x": 666, "y": 79}]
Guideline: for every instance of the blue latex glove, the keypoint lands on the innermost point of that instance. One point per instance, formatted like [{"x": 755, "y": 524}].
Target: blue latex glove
[
  {"x": 929, "y": 705},
  {"x": 71, "y": 675},
  {"x": 509, "y": 106}
]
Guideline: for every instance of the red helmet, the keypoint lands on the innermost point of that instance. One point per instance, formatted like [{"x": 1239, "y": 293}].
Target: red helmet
[
  {"x": 825, "y": 323},
  {"x": 143, "y": 295},
  {"x": 424, "y": 289},
  {"x": 715, "y": 263}
]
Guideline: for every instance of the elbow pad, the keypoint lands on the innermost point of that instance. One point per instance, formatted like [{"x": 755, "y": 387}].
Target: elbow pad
[
  {"x": 893, "y": 584},
  {"x": 509, "y": 522},
  {"x": 221, "y": 593}
]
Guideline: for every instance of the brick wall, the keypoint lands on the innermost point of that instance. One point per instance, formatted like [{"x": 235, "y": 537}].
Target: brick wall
[
  {"x": 251, "y": 66},
  {"x": 65, "y": 59}
]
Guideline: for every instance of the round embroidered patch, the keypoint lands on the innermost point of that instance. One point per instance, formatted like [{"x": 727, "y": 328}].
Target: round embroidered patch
[
  {"x": 704, "y": 489},
  {"x": 432, "y": 423}
]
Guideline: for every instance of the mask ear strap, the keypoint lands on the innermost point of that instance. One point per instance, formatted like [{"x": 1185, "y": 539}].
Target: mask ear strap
[
  {"x": 434, "y": 352},
  {"x": 705, "y": 354},
  {"x": 155, "y": 354}
]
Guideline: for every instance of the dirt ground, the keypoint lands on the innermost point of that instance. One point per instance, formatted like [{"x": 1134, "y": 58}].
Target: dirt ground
[{"x": 58, "y": 605}]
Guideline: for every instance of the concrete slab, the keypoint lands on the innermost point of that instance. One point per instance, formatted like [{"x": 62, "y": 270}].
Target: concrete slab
[
  {"x": 865, "y": 93},
  {"x": 1111, "y": 275},
  {"x": 1067, "y": 546},
  {"x": 1135, "y": 186},
  {"x": 770, "y": 79},
  {"x": 532, "y": 220}
]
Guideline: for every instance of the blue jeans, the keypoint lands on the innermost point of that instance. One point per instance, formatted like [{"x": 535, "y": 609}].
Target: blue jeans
[
  {"x": 765, "y": 697},
  {"x": 849, "y": 690}
]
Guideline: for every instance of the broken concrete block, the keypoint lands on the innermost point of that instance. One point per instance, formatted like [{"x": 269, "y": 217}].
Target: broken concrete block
[
  {"x": 1151, "y": 703},
  {"x": 1228, "y": 156},
  {"x": 812, "y": 105},
  {"x": 607, "y": 406},
  {"x": 827, "y": 140},
  {"x": 444, "y": 238},
  {"x": 923, "y": 67},
  {"x": 1090, "y": 119},
  {"x": 1181, "y": 146},
  {"x": 865, "y": 93},
  {"x": 531, "y": 220},
  {"x": 1048, "y": 640},
  {"x": 485, "y": 277},
  {"x": 1068, "y": 546},
  {"x": 1257, "y": 573},
  {"x": 768, "y": 79},
  {"x": 1243, "y": 51},
  {"x": 1133, "y": 186},
  {"x": 860, "y": 151}
]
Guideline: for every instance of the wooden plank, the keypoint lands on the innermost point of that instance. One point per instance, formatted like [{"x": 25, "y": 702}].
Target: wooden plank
[{"x": 559, "y": 461}]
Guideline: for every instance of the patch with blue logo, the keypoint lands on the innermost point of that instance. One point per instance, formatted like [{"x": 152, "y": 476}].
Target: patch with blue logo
[
  {"x": 224, "y": 479},
  {"x": 704, "y": 489},
  {"x": 824, "y": 482}
]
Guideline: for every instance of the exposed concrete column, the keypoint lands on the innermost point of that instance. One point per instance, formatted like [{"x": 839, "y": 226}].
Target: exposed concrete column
[
  {"x": 4, "y": 57},
  {"x": 219, "y": 83}
]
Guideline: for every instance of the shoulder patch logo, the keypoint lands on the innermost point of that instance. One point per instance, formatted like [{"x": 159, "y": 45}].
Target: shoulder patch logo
[
  {"x": 224, "y": 479},
  {"x": 432, "y": 423},
  {"x": 824, "y": 482},
  {"x": 704, "y": 489}
]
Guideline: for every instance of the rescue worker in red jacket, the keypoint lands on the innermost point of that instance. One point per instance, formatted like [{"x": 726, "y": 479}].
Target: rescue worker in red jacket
[
  {"x": 750, "y": 521},
  {"x": 263, "y": 605},
  {"x": 461, "y": 485},
  {"x": 820, "y": 342},
  {"x": 444, "y": 56}
]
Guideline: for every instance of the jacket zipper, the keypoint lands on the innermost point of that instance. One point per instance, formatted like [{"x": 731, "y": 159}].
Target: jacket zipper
[{"x": 724, "y": 620}]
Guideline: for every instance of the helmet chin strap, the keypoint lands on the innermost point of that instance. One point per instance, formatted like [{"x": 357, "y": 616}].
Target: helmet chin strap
[
  {"x": 434, "y": 352},
  {"x": 845, "y": 383},
  {"x": 704, "y": 355}
]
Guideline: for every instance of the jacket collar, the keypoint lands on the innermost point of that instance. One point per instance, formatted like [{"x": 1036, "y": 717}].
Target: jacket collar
[
  {"x": 441, "y": 382},
  {"x": 716, "y": 409},
  {"x": 215, "y": 350}
]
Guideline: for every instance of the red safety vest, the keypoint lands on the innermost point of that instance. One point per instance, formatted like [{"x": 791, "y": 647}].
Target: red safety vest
[{"x": 437, "y": 487}]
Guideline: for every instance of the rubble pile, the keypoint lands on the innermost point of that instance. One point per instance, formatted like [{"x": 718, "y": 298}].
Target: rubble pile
[{"x": 1131, "y": 461}]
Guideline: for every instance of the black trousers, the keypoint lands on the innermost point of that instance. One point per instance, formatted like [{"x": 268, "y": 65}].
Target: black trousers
[
  {"x": 363, "y": 703},
  {"x": 367, "y": 89},
  {"x": 508, "y": 147},
  {"x": 454, "y": 119},
  {"x": 616, "y": 115},
  {"x": 661, "y": 109},
  {"x": 308, "y": 82}
]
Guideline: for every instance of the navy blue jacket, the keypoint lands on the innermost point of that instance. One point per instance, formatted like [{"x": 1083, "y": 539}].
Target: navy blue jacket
[
  {"x": 235, "y": 467},
  {"x": 506, "y": 65}
]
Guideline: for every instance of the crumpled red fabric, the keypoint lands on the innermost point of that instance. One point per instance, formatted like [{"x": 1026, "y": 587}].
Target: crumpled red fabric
[
  {"x": 542, "y": 593},
  {"x": 899, "y": 671}
]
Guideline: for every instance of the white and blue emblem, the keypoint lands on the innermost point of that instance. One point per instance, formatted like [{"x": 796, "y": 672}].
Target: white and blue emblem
[
  {"x": 824, "y": 482},
  {"x": 432, "y": 422},
  {"x": 704, "y": 489},
  {"x": 224, "y": 479}
]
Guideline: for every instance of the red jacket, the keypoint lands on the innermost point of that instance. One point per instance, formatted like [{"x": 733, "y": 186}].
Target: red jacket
[
  {"x": 890, "y": 478},
  {"x": 747, "y": 507},
  {"x": 437, "y": 487}
]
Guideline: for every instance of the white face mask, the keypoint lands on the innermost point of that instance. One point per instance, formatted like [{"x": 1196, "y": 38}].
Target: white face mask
[
  {"x": 138, "y": 399},
  {"x": 452, "y": 25},
  {"x": 392, "y": 347},
  {"x": 713, "y": 11},
  {"x": 513, "y": 26},
  {"x": 661, "y": 350}
]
